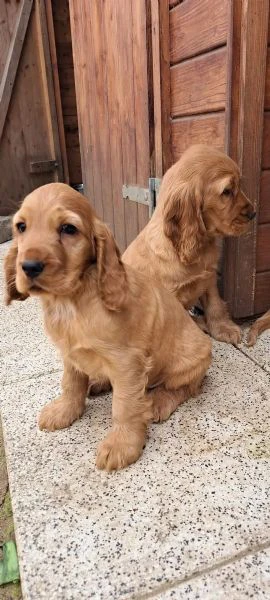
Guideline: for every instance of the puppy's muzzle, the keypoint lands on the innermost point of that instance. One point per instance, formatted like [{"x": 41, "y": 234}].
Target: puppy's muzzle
[
  {"x": 251, "y": 215},
  {"x": 32, "y": 268}
]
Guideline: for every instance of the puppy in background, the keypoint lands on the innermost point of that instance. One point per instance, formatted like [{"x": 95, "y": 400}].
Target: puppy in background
[
  {"x": 108, "y": 321},
  {"x": 200, "y": 200}
]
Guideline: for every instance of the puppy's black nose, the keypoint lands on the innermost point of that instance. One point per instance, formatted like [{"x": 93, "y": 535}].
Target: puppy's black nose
[
  {"x": 32, "y": 268},
  {"x": 251, "y": 215}
]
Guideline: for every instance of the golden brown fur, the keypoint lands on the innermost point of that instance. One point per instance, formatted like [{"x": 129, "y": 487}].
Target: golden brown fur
[
  {"x": 178, "y": 247},
  {"x": 258, "y": 327},
  {"x": 109, "y": 323}
]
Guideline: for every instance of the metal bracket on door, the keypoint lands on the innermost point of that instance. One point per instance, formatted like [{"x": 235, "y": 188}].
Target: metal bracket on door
[{"x": 146, "y": 196}]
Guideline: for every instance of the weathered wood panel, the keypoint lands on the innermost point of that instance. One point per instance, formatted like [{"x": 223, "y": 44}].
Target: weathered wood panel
[
  {"x": 31, "y": 132},
  {"x": 263, "y": 248},
  {"x": 205, "y": 129},
  {"x": 112, "y": 103},
  {"x": 198, "y": 26},
  {"x": 198, "y": 85},
  {"x": 262, "y": 292},
  {"x": 8, "y": 14}
]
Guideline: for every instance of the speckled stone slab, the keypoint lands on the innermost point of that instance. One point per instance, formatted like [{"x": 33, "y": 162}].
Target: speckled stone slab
[
  {"x": 189, "y": 520},
  {"x": 198, "y": 496},
  {"x": 24, "y": 350}
]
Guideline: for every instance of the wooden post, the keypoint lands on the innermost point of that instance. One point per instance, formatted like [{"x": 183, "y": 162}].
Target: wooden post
[
  {"x": 161, "y": 85},
  {"x": 245, "y": 108}
]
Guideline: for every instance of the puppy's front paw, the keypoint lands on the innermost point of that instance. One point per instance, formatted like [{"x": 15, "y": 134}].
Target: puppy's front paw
[
  {"x": 226, "y": 331},
  {"x": 117, "y": 452},
  {"x": 58, "y": 415}
]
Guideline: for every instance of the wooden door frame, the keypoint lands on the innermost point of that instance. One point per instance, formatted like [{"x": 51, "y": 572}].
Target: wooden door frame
[{"x": 247, "y": 48}]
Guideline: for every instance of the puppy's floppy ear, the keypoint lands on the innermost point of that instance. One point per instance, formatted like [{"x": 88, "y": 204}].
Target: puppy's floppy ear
[
  {"x": 112, "y": 279},
  {"x": 10, "y": 275},
  {"x": 182, "y": 220}
]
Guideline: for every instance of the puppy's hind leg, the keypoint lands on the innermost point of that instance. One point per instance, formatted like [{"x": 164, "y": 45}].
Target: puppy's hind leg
[
  {"x": 165, "y": 402},
  {"x": 177, "y": 389}
]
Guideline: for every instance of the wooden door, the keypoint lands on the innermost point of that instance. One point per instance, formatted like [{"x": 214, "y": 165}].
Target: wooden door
[
  {"x": 246, "y": 274},
  {"x": 113, "y": 61},
  {"x": 30, "y": 153}
]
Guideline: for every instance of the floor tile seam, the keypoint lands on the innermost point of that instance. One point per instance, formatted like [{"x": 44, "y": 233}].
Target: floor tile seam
[
  {"x": 28, "y": 378},
  {"x": 253, "y": 360},
  {"x": 250, "y": 551}
]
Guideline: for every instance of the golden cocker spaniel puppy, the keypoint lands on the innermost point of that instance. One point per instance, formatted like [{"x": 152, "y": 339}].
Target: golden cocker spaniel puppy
[
  {"x": 200, "y": 200},
  {"x": 108, "y": 321}
]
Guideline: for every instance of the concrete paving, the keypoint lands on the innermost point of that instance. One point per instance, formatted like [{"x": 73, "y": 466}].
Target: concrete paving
[{"x": 189, "y": 520}]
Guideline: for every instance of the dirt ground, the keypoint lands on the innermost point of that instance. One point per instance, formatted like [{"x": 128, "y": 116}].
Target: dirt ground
[{"x": 10, "y": 591}]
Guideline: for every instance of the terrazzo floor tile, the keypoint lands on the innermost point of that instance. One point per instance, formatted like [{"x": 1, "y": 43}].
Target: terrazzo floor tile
[
  {"x": 245, "y": 579},
  {"x": 24, "y": 351},
  {"x": 198, "y": 496}
]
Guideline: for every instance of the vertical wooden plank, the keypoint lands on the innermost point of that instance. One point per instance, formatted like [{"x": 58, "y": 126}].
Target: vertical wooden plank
[
  {"x": 245, "y": 140},
  {"x": 232, "y": 123},
  {"x": 48, "y": 89},
  {"x": 139, "y": 51},
  {"x": 79, "y": 33},
  {"x": 113, "y": 100},
  {"x": 126, "y": 106},
  {"x": 65, "y": 72},
  {"x": 165, "y": 78},
  {"x": 57, "y": 92},
  {"x": 156, "y": 87},
  {"x": 100, "y": 54},
  {"x": 161, "y": 85}
]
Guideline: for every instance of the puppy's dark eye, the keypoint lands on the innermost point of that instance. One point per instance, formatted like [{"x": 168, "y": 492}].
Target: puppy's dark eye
[
  {"x": 227, "y": 192},
  {"x": 68, "y": 229},
  {"x": 21, "y": 227}
]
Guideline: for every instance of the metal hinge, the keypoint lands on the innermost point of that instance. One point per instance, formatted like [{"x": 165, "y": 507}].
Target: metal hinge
[{"x": 146, "y": 196}]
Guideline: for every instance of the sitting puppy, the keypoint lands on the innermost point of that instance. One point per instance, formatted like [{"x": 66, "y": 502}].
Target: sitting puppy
[
  {"x": 108, "y": 321},
  {"x": 258, "y": 327},
  {"x": 200, "y": 200}
]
